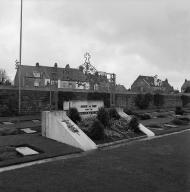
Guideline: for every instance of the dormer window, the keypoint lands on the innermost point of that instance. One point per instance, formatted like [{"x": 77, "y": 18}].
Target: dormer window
[{"x": 36, "y": 74}]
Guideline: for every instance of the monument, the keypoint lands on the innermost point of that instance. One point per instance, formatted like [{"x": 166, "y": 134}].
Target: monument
[{"x": 58, "y": 126}]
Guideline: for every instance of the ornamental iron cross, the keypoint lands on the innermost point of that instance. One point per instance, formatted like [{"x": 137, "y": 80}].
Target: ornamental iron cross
[{"x": 87, "y": 57}]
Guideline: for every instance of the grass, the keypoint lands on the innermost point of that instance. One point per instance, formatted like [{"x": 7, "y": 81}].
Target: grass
[
  {"x": 47, "y": 147},
  {"x": 162, "y": 116},
  {"x": 133, "y": 168},
  {"x": 8, "y": 152}
]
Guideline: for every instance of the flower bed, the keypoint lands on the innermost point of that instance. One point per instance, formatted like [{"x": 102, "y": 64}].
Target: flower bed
[{"x": 118, "y": 129}]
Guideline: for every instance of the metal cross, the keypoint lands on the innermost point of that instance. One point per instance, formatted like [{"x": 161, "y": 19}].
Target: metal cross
[{"x": 87, "y": 57}]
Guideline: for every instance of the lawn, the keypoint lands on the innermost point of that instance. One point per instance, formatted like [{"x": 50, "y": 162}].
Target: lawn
[
  {"x": 160, "y": 165},
  {"x": 47, "y": 147}
]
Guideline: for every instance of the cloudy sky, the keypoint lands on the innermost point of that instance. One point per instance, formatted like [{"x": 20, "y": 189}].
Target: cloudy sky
[{"x": 127, "y": 37}]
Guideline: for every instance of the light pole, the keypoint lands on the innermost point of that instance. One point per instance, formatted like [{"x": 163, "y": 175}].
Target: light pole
[{"x": 20, "y": 58}]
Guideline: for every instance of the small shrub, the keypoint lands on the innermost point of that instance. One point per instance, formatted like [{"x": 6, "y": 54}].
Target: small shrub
[
  {"x": 103, "y": 116},
  {"x": 179, "y": 111},
  {"x": 134, "y": 125},
  {"x": 179, "y": 122},
  {"x": 184, "y": 119},
  {"x": 74, "y": 115},
  {"x": 113, "y": 114},
  {"x": 97, "y": 130}
]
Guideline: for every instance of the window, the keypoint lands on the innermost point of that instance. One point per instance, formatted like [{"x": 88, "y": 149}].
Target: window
[
  {"x": 83, "y": 106},
  {"x": 36, "y": 74},
  {"x": 47, "y": 82},
  {"x": 36, "y": 83}
]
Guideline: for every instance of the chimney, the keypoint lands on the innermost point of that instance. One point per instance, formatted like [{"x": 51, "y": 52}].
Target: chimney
[
  {"x": 37, "y": 64},
  {"x": 55, "y": 65},
  {"x": 185, "y": 80}
]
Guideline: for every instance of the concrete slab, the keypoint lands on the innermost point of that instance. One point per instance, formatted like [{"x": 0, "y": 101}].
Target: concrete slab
[
  {"x": 28, "y": 130},
  {"x": 26, "y": 151},
  {"x": 7, "y": 123}
]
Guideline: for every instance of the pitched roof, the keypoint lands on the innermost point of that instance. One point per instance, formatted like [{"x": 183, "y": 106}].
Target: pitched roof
[
  {"x": 147, "y": 79},
  {"x": 120, "y": 89},
  {"x": 186, "y": 84},
  {"x": 150, "y": 80},
  {"x": 53, "y": 72}
]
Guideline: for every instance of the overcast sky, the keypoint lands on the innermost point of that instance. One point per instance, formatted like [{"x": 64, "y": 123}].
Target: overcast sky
[{"x": 127, "y": 37}]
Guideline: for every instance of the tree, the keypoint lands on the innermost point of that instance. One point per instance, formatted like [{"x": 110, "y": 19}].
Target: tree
[{"x": 4, "y": 79}]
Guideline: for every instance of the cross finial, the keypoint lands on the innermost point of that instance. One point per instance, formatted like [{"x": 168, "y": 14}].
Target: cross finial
[
  {"x": 17, "y": 63},
  {"x": 87, "y": 57}
]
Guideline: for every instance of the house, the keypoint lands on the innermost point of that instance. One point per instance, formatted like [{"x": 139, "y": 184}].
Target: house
[
  {"x": 43, "y": 76},
  {"x": 62, "y": 78},
  {"x": 151, "y": 84},
  {"x": 185, "y": 88}
]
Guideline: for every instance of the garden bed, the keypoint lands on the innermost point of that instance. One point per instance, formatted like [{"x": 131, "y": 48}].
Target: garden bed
[{"x": 109, "y": 126}]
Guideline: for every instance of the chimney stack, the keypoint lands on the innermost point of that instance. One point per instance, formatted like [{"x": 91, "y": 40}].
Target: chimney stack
[
  {"x": 37, "y": 64},
  {"x": 55, "y": 65}
]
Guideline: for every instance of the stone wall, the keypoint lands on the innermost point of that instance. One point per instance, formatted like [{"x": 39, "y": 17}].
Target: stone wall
[
  {"x": 34, "y": 101},
  {"x": 31, "y": 101},
  {"x": 128, "y": 101}
]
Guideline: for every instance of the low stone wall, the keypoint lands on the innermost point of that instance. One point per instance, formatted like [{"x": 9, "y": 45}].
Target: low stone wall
[
  {"x": 34, "y": 100},
  {"x": 31, "y": 101},
  {"x": 128, "y": 101}
]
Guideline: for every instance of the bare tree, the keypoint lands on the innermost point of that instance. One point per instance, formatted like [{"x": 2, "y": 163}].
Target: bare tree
[{"x": 4, "y": 79}]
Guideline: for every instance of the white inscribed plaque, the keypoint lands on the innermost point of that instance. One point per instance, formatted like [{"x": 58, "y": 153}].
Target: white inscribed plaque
[
  {"x": 28, "y": 130},
  {"x": 26, "y": 151}
]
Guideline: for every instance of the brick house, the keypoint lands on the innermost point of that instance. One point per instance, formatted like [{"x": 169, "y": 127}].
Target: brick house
[
  {"x": 43, "y": 76},
  {"x": 151, "y": 84},
  {"x": 62, "y": 78}
]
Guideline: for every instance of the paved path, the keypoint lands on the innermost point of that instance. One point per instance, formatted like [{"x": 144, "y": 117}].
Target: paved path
[{"x": 157, "y": 165}]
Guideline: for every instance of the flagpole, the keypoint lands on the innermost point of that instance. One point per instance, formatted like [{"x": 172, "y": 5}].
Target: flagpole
[{"x": 20, "y": 56}]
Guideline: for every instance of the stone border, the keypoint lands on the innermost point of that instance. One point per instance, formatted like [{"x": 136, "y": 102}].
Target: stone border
[{"x": 104, "y": 145}]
